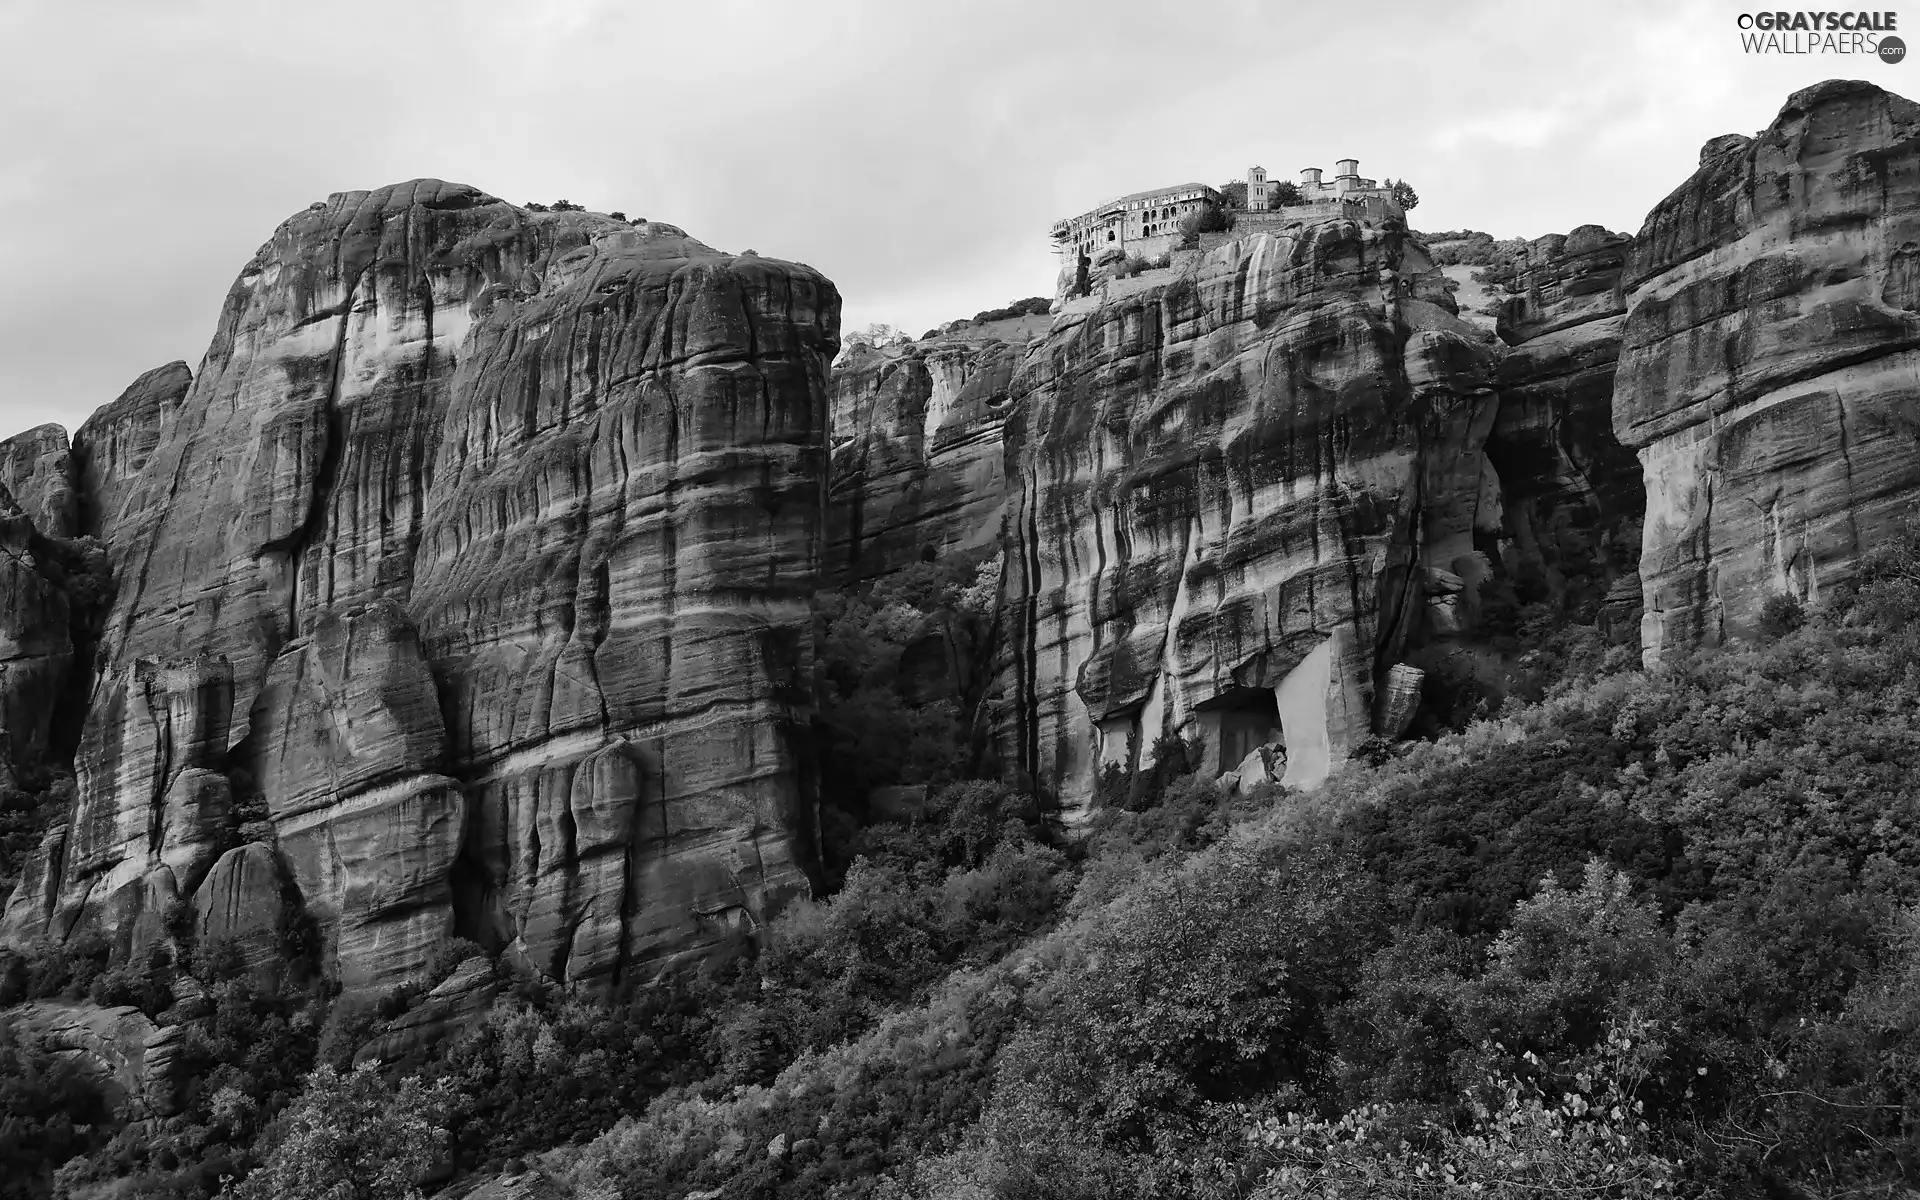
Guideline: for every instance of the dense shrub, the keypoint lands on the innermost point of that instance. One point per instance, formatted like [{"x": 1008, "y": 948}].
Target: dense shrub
[
  {"x": 902, "y": 670},
  {"x": 353, "y": 1135},
  {"x": 49, "y": 1113},
  {"x": 1209, "y": 218},
  {"x": 1781, "y": 614}
]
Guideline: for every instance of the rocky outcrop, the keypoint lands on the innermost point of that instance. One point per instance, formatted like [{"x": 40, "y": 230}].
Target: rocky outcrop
[
  {"x": 918, "y": 461},
  {"x": 112, "y": 448},
  {"x": 136, "y": 1063},
  {"x": 1571, "y": 494},
  {"x": 1227, "y": 491},
  {"x": 36, "y": 468},
  {"x": 36, "y": 647},
  {"x": 240, "y": 903},
  {"x": 348, "y": 748},
  {"x": 502, "y": 525},
  {"x": 452, "y": 1006},
  {"x": 151, "y": 811},
  {"x": 1766, "y": 375},
  {"x": 613, "y": 585}
]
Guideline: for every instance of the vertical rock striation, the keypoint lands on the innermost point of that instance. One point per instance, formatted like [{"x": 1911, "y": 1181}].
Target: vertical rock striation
[
  {"x": 36, "y": 647},
  {"x": 1226, "y": 493},
  {"x": 349, "y": 755},
  {"x": 114, "y": 445},
  {"x": 1768, "y": 370},
  {"x": 36, "y": 468},
  {"x": 489, "y": 535},
  {"x": 918, "y": 460},
  {"x": 151, "y": 811},
  {"x": 614, "y": 587}
]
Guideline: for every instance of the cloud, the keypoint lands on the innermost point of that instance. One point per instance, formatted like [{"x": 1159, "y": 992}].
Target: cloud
[{"x": 914, "y": 153}]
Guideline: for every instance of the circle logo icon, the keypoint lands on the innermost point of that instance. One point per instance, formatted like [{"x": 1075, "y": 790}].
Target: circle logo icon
[{"x": 1892, "y": 50}]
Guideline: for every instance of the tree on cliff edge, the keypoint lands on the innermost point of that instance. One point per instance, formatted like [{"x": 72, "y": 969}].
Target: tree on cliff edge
[{"x": 1403, "y": 194}]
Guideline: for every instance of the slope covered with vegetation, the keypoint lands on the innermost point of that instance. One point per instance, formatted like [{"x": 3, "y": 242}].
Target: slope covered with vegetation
[{"x": 1651, "y": 934}]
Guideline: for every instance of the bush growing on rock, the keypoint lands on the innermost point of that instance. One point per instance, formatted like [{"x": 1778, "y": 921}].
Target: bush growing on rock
[{"x": 1781, "y": 614}]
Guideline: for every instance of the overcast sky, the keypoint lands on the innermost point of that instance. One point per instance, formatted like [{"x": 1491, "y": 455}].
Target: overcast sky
[{"x": 913, "y": 150}]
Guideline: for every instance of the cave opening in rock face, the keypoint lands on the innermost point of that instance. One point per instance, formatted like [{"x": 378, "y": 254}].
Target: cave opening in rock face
[{"x": 1237, "y": 722}]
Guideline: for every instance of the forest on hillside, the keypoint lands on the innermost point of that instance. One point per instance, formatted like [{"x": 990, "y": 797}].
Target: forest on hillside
[{"x": 1645, "y": 933}]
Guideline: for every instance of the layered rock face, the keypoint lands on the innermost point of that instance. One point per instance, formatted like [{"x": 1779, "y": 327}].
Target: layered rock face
[
  {"x": 140, "y": 1066},
  {"x": 350, "y": 747},
  {"x": 918, "y": 460},
  {"x": 498, "y": 529},
  {"x": 1572, "y": 494},
  {"x": 1228, "y": 494},
  {"x": 36, "y": 647},
  {"x": 151, "y": 814},
  {"x": 113, "y": 446},
  {"x": 1767, "y": 372},
  {"x": 36, "y": 468}
]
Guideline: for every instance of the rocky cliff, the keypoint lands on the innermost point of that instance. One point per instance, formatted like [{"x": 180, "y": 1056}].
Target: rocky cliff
[
  {"x": 36, "y": 469},
  {"x": 1767, "y": 370},
  {"x": 36, "y": 644},
  {"x": 480, "y": 552},
  {"x": 918, "y": 459},
  {"x": 1229, "y": 493},
  {"x": 112, "y": 448},
  {"x": 1572, "y": 494}
]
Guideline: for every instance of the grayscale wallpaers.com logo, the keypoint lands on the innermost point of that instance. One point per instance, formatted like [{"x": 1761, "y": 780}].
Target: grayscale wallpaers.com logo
[{"x": 1822, "y": 33}]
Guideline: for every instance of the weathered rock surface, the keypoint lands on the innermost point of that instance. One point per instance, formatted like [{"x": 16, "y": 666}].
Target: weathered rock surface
[
  {"x": 1767, "y": 373},
  {"x": 614, "y": 579},
  {"x": 504, "y": 525},
  {"x": 444, "y": 1012},
  {"x": 1399, "y": 699},
  {"x": 114, "y": 445},
  {"x": 239, "y": 903},
  {"x": 36, "y": 646},
  {"x": 36, "y": 467},
  {"x": 1571, "y": 494},
  {"x": 347, "y": 746},
  {"x": 918, "y": 459},
  {"x": 135, "y": 1062},
  {"x": 1225, "y": 492},
  {"x": 151, "y": 810}
]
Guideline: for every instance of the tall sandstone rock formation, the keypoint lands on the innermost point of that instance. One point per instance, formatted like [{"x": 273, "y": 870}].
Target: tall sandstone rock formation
[
  {"x": 1769, "y": 376},
  {"x": 481, "y": 546},
  {"x": 1229, "y": 496},
  {"x": 36, "y": 468},
  {"x": 1572, "y": 495},
  {"x": 36, "y": 646},
  {"x": 114, "y": 445},
  {"x": 918, "y": 457}
]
